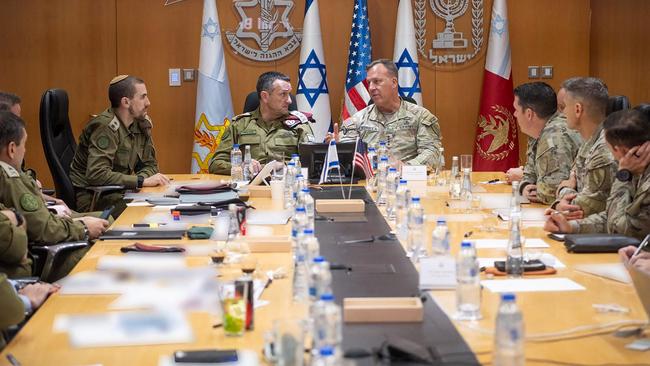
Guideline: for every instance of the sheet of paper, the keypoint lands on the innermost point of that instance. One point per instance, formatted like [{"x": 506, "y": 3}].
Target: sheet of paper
[
  {"x": 546, "y": 258},
  {"x": 437, "y": 272},
  {"x": 503, "y": 243},
  {"x": 532, "y": 285},
  {"x": 612, "y": 271},
  {"x": 527, "y": 214},
  {"x": 261, "y": 217}
]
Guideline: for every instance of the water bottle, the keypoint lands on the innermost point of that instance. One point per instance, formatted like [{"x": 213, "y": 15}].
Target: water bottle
[
  {"x": 236, "y": 172},
  {"x": 382, "y": 150},
  {"x": 391, "y": 193},
  {"x": 440, "y": 238},
  {"x": 289, "y": 180},
  {"x": 440, "y": 168},
  {"x": 402, "y": 199},
  {"x": 326, "y": 357},
  {"x": 415, "y": 242},
  {"x": 468, "y": 287},
  {"x": 508, "y": 334},
  {"x": 327, "y": 323},
  {"x": 320, "y": 278},
  {"x": 306, "y": 200},
  {"x": 310, "y": 245},
  {"x": 295, "y": 158},
  {"x": 454, "y": 167},
  {"x": 382, "y": 172},
  {"x": 298, "y": 185},
  {"x": 372, "y": 157},
  {"x": 515, "y": 258},
  {"x": 300, "y": 278},
  {"x": 466, "y": 186},
  {"x": 246, "y": 167},
  {"x": 515, "y": 199},
  {"x": 455, "y": 187},
  {"x": 298, "y": 225}
]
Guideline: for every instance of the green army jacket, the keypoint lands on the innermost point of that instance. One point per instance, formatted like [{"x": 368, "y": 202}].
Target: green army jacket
[
  {"x": 13, "y": 249},
  {"x": 43, "y": 227},
  {"x": 12, "y": 309},
  {"x": 412, "y": 133},
  {"x": 268, "y": 140},
  {"x": 111, "y": 154}
]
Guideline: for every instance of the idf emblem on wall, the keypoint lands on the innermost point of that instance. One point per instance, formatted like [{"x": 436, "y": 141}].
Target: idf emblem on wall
[
  {"x": 461, "y": 40},
  {"x": 261, "y": 23}
]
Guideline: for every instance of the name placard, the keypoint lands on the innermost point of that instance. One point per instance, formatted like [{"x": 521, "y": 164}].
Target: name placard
[
  {"x": 414, "y": 172},
  {"x": 438, "y": 273}
]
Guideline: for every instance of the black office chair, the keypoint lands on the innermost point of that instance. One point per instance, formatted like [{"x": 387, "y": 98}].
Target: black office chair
[
  {"x": 644, "y": 108},
  {"x": 253, "y": 101},
  {"x": 60, "y": 146},
  {"x": 617, "y": 103}
]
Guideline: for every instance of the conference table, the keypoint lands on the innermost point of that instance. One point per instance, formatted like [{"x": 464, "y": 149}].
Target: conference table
[{"x": 564, "y": 327}]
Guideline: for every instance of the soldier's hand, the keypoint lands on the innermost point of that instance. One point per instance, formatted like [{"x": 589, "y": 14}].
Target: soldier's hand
[
  {"x": 568, "y": 183},
  {"x": 11, "y": 216},
  {"x": 514, "y": 174},
  {"x": 333, "y": 135},
  {"x": 568, "y": 209},
  {"x": 626, "y": 253},
  {"x": 157, "y": 179},
  {"x": 38, "y": 292},
  {"x": 530, "y": 192},
  {"x": 636, "y": 159},
  {"x": 96, "y": 226},
  {"x": 557, "y": 223},
  {"x": 255, "y": 166}
]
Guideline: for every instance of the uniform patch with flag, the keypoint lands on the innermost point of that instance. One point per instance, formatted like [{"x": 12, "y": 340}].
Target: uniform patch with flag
[
  {"x": 331, "y": 162},
  {"x": 359, "y": 56}
]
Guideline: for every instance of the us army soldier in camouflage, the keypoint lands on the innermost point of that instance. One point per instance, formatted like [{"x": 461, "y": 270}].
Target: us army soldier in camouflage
[
  {"x": 412, "y": 133},
  {"x": 552, "y": 147},
  {"x": 628, "y": 206},
  {"x": 19, "y": 191},
  {"x": 14, "y": 261},
  {"x": 592, "y": 174},
  {"x": 271, "y": 131},
  {"x": 116, "y": 148}
]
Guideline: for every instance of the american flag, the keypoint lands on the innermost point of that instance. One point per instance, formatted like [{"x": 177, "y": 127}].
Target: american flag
[
  {"x": 360, "y": 55},
  {"x": 361, "y": 160}
]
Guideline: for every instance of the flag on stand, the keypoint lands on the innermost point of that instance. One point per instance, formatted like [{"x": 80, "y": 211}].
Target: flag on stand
[
  {"x": 313, "y": 94},
  {"x": 497, "y": 139},
  {"x": 359, "y": 55},
  {"x": 331, "y": 162},
  {"x": 213, "y": 100},
  {"x": 361, "y": 159},
  {"x": 405, "y": 53}
]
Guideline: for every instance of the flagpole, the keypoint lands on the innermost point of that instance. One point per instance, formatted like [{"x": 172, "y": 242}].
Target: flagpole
[{"x": 356, "y": 145}]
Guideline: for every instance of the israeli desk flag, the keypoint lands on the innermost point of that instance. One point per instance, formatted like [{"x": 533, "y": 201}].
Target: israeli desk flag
[
  {"x": 213, "y": 100},
  {"x": 313, "y": 94},
  {"x": 405, "y": 54},
  {"x": 331, "y": 162}
]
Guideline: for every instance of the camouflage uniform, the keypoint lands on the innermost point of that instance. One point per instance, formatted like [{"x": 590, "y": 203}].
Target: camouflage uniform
[
  {"x": 111, "y": 154},
  {"x": 43, "y": 227},
  {"x": 594, "y": 169},
  {"x": 628, "y": 210},
  {"x": 412, "y": 133},
  {"x": 12, "y": 309},
  {"x": 550, "y": 157},
  {"x": 13, "y": 249},
  {"x": 268, "y": 140}
]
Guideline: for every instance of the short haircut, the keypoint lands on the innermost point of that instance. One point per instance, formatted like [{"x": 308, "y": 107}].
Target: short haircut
[
  {"x": 121, "y": 89},
  {"x": 8, "y": 100},
  {"x": 266, "y": 80},
  {"x": 12, "y": 128},
  {"x": 539, "y": 97},
  {"x": 388, "y": 64},
  {"x": 628, "y": 128},
  {"x": 591, "y": 91},
  {"x": 644, "y": 108}
]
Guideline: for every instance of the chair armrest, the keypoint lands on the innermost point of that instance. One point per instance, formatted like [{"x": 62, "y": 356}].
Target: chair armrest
[
  {"x": 102, "y": 189},
  {"x": 52, "y": 251},
  {"x": 48, "y": 191}
]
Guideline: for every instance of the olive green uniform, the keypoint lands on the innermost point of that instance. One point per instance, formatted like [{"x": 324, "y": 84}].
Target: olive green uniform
[
  {"x": 268, "y": 141},
  {"x": 109, "y": 153},
  {"x": 13, "y": 249},
  {"x": 412, "y": 133},
  {"x": 12, "y": 309},
  {"x": 550, "y": 157},
  {"x": 43, "y": 227}
]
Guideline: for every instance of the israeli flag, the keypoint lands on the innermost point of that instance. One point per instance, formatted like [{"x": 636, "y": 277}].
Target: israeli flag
[
  {"x": 313, "y": 94},
  {"x": 405, "y": 53},
  {"x": 331, "y": 162},
  {"x": 213, "y": 100}
]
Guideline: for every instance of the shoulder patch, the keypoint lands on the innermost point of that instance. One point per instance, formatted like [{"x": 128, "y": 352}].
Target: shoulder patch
[
  {"x": 103, "y": 141},
  {"x": 9, "y": 170},
  {"x": 240, "y": 116},
  {"x": 114, "y": 124},
  {"x": 29, "y": 202}
]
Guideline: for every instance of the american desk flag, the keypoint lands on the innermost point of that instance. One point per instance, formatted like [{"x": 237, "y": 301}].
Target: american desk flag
[
  {"x": 359, "y": 55},
  {"x": 331, "y": 162},
  {"x": 361, "y": 160}
]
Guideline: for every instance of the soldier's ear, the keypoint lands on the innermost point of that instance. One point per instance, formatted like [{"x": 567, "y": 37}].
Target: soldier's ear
[
  {"x": 264, "y": 96},
  {"x": 125, "y": 101}
]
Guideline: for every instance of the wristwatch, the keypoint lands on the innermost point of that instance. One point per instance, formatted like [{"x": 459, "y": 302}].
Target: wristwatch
[
  {"x": 140, "y": 181},
  {"x": 20, "y": 220},
  {"x": 624, "y": 175}
]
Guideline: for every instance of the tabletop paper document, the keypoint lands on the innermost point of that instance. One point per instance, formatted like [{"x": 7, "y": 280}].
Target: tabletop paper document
[
  {"x": 532, "y": 285},
  {"x": 612, "y": 271},
  {"x": 503, "y": 243}
]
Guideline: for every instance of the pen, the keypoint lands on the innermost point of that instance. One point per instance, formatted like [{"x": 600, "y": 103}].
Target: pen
[
  {"x": 468, "y": 234},
  {"x": 493, "y": 181},
  {"x": 12, "y": 360},
  {"x": 641, "y": 246}
]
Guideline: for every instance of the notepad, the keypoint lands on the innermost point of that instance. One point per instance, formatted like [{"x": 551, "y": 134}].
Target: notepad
[
  {"x": 532, "y": 285},
  {"x": 612, "y": 271}
]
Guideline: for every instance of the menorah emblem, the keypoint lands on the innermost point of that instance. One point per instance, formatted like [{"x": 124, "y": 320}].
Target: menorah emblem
[{"x": 449, "y": 10}]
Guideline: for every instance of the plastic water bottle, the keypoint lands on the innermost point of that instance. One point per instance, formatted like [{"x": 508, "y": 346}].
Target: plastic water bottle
[
  {"x": 307, "y": 201},
  {"x": 300, "y": 278},
  {"x": 440, "y": 238},
  {"x": 455, "y": 187},
  {"x": 295, "y": 158},
  {"x": 415, "y": 242},
  {"x": 298, "y": 225},
  {"x": 515, "y": 200},
  {"x": 246, "y": 167},
  {"x": 402, "y": 199},
  {"x": 391, "y": 193},
  {"x": 289, "y": 180},
  {"x": 382, "y": 172},
  {"x": 372, "y": 157},
  {"x": 310, "y": 245},
  {"x": 327, "y": 323},
  {"x": 466, "y": 186},
  {"x": 320, "y": 278},
  {"x": 454, "y": 167},
  {"x": 440, "y": 168},
  {"x": 508, "y": 334},
  {"x": 515, "y": 258},
  {"x": 468, "y": 288},
  {"x": 236, "y": 172},
  {"x": 326, "y": 357},
  {"x": 382, "y": 150}
]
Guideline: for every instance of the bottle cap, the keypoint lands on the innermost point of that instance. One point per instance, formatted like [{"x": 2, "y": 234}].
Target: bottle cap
[
  {"x": 306, "y": 190},
  {"x": 454, "y": 158},
  {"x": 441, "y": 220},
  {"x": 508, "y": 297},
  {"x": 382, "y": 143},
  {"x": 415, "y": 199},
  {"x": 327, "y": 297},
  {"x": 294, "y": 155},
  {"x": 402, "y": 181},
  {"x": 326, "y": 351},
  {"x": 319, "y": 259},
  {"x": 291, "y": 163},
  {"x": 235, "y": 146},
  {"x": 300, "y": 209},
  {"x": 466, "y": 244},
  {"x": 392, "y": 170},
  {"x": 384, "y": 158},
  {"x": 371, "y": 149},
  {"x": 308, "y": 231},
  {"x": 299, "y": 175}
]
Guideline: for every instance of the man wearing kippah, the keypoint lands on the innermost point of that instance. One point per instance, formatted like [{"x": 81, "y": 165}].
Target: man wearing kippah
[{"x": 116, "y": 148}]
